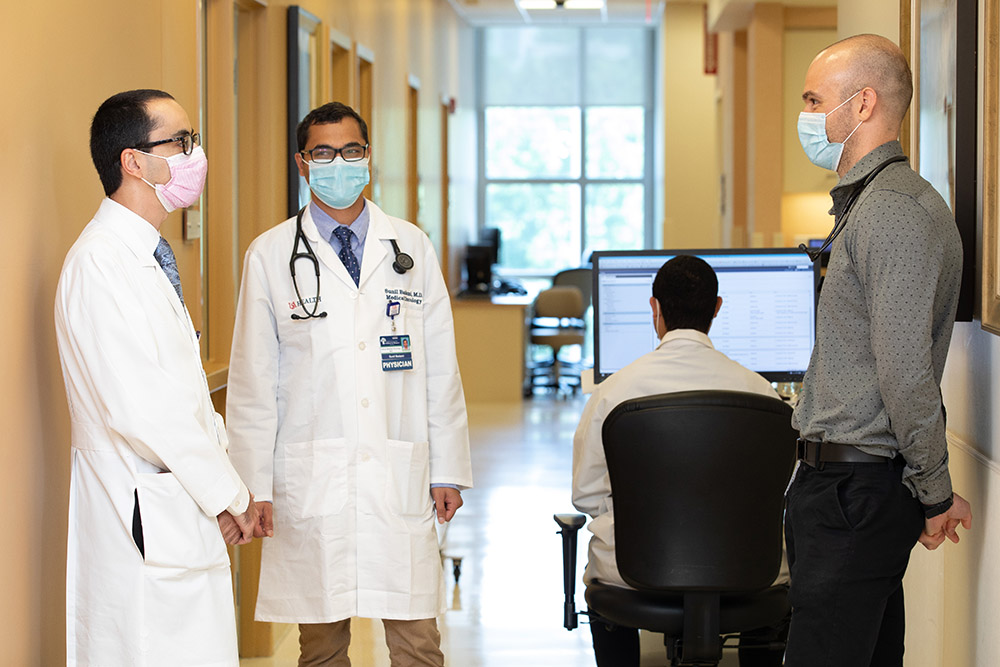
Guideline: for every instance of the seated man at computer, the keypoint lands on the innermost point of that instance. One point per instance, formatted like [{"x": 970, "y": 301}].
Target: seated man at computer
[{"x": 685, "y": 301}]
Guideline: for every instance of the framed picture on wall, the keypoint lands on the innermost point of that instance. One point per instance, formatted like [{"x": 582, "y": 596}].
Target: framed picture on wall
[
  {"x": 940, "y": 38},
  {"x": 991, "y": 173}
]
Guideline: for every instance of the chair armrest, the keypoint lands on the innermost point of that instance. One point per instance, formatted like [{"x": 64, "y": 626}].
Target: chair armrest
[
  {"x": 569, "y": 526},
  {"x": 573, "y": 522}
]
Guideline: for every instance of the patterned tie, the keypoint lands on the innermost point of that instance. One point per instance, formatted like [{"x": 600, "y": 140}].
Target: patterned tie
[
  {"x": 347, "y": 256},
  {"x": 165, "y": 258}
]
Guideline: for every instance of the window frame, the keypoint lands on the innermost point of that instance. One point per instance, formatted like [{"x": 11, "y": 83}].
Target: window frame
[{"x": 647, "y": 179}]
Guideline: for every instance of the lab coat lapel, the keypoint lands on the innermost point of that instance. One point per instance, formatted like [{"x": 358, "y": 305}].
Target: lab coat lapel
[
  {"x": 137, "y": 234},
  {"x": 323, "y": 249},
  {"x": 379, "y": 229}
]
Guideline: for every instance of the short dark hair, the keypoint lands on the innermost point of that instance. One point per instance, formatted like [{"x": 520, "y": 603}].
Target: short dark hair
[
  {"x": 332, "y": 112},
  {"x": 687, "y": 289},
  {"x": 121, "y": 122}
]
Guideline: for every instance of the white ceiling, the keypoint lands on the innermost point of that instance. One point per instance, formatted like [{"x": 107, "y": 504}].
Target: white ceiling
[{"x": 491, "y": 12}]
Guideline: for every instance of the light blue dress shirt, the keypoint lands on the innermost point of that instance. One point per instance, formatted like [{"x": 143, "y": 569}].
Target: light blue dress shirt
[{"x": 325, "y": 225}]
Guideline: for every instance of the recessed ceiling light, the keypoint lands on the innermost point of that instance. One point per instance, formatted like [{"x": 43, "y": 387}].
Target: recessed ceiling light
[{"x": 565, "y": 4}]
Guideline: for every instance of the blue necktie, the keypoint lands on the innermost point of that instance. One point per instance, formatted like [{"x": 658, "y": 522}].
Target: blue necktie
[
  {"x": 347, "y": 256},
  {"x": 165, "y": 258}
]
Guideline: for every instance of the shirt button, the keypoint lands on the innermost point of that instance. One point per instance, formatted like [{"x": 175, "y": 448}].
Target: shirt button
[
  {"x": 361, "y": 345},
  {"x": 366, "y": 458},
  {"x": 364, "y": 402},
  {"x": 354, "y": 295}
]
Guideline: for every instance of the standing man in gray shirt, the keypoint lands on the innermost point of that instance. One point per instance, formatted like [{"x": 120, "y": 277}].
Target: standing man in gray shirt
[{"x": 873, "y": 477}]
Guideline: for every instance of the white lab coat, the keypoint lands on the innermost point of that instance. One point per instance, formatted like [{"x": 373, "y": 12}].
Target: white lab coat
[
  {"x": 139, "y": 405},
  {"x": 685, "y": 360},
  {"x": 346, "y": 450}
]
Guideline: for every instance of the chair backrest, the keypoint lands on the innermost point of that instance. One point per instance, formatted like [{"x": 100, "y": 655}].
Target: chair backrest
[
  {"x": 698, "y": 481},
  {"x": 561, "y": 302},
  {"x": 581, "y": 278}
]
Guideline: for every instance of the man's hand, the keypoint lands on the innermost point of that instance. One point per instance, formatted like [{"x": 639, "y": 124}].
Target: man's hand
[
  {"x": 239, "y": 529},
  {"x": 945, "y": 525},
  {"x": 265, "y": 526},
  {"x": 231, "y": 532},
  {"x": 248, "y": 521},
  {"x": 446, "y": 501}
]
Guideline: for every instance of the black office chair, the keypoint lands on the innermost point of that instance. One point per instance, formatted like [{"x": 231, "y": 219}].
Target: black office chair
[{"x": 698, "y": 480}]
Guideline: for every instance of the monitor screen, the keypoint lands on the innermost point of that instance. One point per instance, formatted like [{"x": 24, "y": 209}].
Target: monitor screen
[{"x": 767, "y": 321}]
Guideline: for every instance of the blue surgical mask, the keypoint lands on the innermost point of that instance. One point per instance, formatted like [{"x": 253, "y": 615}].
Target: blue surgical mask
[
  {"x": 812, "y": 135},
  {"x": 339, "y": 183}
]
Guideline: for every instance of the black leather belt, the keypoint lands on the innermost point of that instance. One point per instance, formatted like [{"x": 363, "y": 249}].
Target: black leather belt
[{"x": 815, "y": 453}]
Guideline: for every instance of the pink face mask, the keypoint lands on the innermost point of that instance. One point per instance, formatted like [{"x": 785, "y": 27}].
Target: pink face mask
[{"x": 187, "y": 179}]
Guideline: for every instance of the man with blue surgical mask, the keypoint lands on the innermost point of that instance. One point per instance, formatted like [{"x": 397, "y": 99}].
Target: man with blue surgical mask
[
  {"x": 346, "y": 410},
  {"x": 873, "y": 475}
]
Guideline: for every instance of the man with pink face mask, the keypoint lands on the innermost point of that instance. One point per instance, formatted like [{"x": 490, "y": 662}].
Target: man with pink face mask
[{"x": 153, "y": 497}]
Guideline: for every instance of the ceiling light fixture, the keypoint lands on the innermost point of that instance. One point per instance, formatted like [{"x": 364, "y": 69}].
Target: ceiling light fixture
[{"x": 561, "y": 4}]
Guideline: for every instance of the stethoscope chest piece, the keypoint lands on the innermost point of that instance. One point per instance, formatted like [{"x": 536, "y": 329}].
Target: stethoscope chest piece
[{"x": 403, "y": 262}]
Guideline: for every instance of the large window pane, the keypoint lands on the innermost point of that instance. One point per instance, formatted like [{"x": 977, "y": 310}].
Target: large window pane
[
  {"x": 532, "y": 142},
  {"x": 615, "y": 217},
  {"x": 536, "y": 66},
  {"x": 539, "y": 224},
  {"x": 617, "y": 65},
  {"x": 615, "y": 146}
]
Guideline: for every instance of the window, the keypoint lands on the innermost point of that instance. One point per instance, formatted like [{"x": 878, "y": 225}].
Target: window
[{"x": 566, "y": 115}]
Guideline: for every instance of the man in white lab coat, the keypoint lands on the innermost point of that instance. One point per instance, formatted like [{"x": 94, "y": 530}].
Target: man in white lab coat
[
  {"x": 346, "y": 409},
  {"x": 147, "y": 576},
  {"x": 685, "y": 300}
]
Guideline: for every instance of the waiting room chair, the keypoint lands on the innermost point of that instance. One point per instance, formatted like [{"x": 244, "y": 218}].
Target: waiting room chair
[
  {"x": 698, "y": 481},
  {"x": 557, "y": 321}
]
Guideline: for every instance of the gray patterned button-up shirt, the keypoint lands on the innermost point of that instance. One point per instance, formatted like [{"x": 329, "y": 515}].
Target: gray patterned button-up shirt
[{"x": 885, "y": 319}]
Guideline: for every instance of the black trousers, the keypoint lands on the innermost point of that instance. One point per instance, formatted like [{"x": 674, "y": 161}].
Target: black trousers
[
  {"x": 616, "y": 646},
  {"x": 849, "y": 528}
]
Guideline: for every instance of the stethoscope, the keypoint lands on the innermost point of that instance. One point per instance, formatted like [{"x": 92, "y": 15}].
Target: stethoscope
[
  {"x": 401, "y": 264},
  {"x": 842, "y": 221}
]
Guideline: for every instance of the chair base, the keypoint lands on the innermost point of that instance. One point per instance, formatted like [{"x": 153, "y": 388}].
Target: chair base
[{"x": 666, "y": 614}]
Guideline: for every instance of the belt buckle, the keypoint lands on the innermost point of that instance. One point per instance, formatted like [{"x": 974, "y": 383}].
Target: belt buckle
[{"x": 802, "y": 450}]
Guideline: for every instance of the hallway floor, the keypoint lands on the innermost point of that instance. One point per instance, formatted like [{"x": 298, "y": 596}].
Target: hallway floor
[{"x": 507, "y": 609}]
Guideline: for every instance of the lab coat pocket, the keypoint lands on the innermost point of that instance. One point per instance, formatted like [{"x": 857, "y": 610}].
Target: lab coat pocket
[
  {"x": 177, "y": 534},
  {"x": 315, "y": 479},
  {"x": 408, "y": 478}
]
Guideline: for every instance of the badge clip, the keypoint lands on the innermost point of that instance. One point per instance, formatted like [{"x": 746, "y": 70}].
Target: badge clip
[{"x": 391, "y": 310}]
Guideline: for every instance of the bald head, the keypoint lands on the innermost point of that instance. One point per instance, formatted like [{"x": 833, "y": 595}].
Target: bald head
[{"x": 872, "y": 61}]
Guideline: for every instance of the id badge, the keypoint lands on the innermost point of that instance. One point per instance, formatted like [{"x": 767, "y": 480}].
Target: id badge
[{"x": 396, "y": 353}]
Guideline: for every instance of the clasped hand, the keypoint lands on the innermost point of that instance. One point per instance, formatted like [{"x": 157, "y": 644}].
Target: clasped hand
[
  {"x": 242, "y": 528},
  {"x": 945, "y": 525}
]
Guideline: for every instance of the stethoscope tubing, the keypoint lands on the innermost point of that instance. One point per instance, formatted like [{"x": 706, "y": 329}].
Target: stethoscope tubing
[{"x": 400, "y": 264}]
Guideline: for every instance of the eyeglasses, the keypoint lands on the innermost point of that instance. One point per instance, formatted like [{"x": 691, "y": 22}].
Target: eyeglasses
[
  {"x": 187, "y": 142},
  {"x": 325, "y": 154}
]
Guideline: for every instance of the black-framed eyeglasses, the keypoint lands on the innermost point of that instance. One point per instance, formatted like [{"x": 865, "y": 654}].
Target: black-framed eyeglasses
[
  {"x": 187, "y": 142},
  {"x": 325, "y": 154}
]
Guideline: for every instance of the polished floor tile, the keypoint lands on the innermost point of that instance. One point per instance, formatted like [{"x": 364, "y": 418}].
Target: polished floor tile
[{"x": 506, "y": 609}]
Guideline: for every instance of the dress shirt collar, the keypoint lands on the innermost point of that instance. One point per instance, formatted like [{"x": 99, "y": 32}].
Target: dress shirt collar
[
  {"x": 859, "y": 172},
  {"x": 325, "y": 225},
  {"x": 692, "y": 335}
]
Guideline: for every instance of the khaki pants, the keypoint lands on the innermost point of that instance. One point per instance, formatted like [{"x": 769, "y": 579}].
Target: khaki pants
[{"x": 411, "y": 643}]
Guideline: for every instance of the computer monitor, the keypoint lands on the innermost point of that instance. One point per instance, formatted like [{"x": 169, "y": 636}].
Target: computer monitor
[
  {"x": 490, "y": 236},
  {"x": 767, "y": 321}
]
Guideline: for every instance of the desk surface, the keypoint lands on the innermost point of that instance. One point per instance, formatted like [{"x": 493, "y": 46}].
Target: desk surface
[{"x": 495, "y": 300}]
